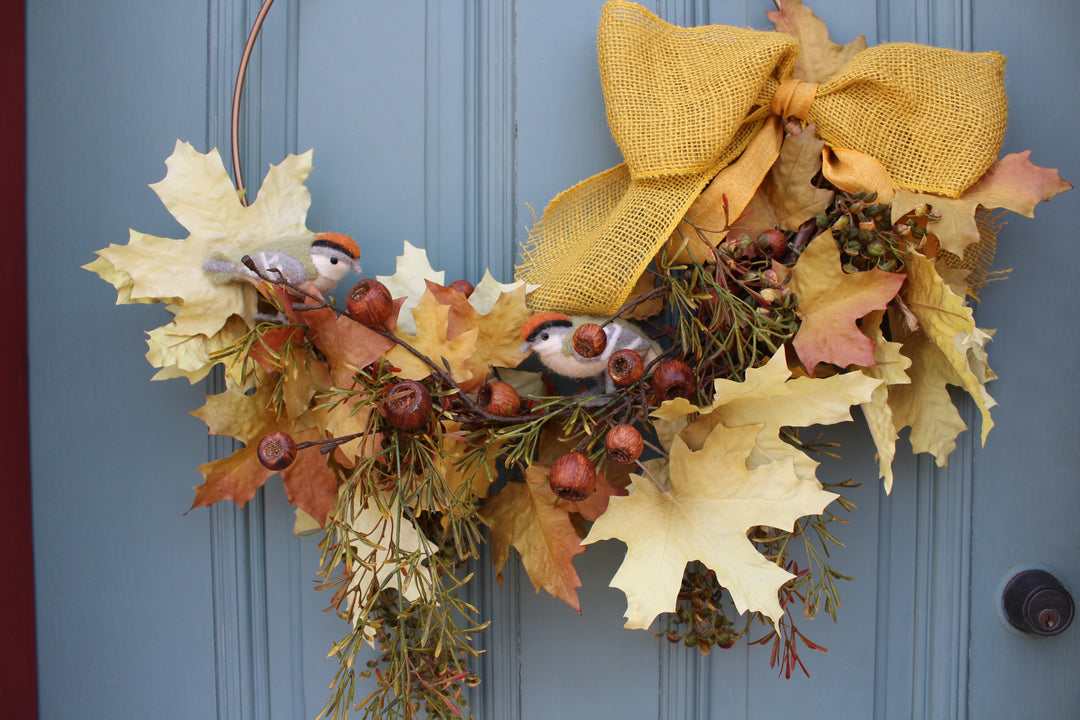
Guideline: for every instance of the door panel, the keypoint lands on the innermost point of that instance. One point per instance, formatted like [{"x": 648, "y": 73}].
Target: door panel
[{"x": 446, "y": 124}]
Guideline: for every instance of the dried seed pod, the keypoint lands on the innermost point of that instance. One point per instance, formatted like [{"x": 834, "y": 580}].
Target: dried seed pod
[
  {"x": 499, "y": 398},
  {"x": 625, "y": 367},
  {"x": 590, "y": 340},
  {"x": 369, "y": 303},
  {"x": 624, "y": 444},
  {"x": 672, "y": 379},
  {"x": 572, "y": 477},
  {"x": 407, "y": 405},
  {"x": 462, "y": 286},
  {"x": 276, "y": 450}
]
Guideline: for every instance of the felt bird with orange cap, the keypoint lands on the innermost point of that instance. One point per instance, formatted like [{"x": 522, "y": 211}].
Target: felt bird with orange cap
[
  {"x": 323, "y": 261},
  {"x": 551, "y": 336}
]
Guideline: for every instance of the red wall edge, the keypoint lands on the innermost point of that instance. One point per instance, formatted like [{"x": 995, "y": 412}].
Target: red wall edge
[{"x": 18, "y": 660}]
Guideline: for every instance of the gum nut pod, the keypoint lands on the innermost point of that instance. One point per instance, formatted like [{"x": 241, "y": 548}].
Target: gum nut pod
[{"x": 572, "y": 477}]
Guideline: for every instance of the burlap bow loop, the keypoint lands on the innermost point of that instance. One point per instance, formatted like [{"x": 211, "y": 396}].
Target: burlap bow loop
[
  {"x": 684, "y": 103},
  {"x": 793, "y": 98}
]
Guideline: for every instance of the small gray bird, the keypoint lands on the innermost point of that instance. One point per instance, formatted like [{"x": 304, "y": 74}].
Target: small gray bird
[
  {"x": 323, "y": 262},
  {"x": 551, "y": 336}
]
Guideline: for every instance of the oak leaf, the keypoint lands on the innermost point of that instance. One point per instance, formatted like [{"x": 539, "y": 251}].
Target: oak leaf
[
  {"x": 786, "y": 198},
  {"x": 1013, "y": 183},
  {"x": 890, "y": 366},
  {"x": 924, "y": 404},
  {"x": 950, "y": 325},
  {"x": 208, "y": 317},
  {"x": 830, "y": 303},
  {"x": 709, "y": 503},
  {"x": 819, "y": 57}
]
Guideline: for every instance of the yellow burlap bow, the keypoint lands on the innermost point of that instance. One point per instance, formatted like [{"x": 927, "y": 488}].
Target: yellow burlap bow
[{"x": 684, "y": 103}]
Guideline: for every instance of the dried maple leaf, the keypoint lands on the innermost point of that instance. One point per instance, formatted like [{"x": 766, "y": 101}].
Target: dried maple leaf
[
  {"x": 1013, "y": 183},
  {"x": 309, "y": 482},
  {"x": 528, "y": 517},
  {"x": 409, "y": 281},
  {"x": 713, "y": 500},
  {"x": 208, "y": 316},
  {"x": 498, "y": 341},
  {"x": 432, "y": 340},
  {"x": 772, "y": 399},
  {"x": 830, "y": 303},
  {"x": 819, "y": 57},
  {"x": 347, "y": 345},
  {"x": 786, "y": 198}
]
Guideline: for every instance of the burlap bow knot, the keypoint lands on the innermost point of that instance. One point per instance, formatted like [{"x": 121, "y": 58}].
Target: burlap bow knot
[{"x": 684, "y": 103}]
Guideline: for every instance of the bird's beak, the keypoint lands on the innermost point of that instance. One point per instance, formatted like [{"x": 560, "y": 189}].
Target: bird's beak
[{"x": 525, "y": 349}]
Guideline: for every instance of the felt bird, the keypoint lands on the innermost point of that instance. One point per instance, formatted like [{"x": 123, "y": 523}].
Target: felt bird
[
  {"x": 551, "y": 336},
  {"x": 322, "y": 262}
]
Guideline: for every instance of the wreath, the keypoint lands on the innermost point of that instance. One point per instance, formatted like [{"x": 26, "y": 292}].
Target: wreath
[{"x": 797, "y": 230}]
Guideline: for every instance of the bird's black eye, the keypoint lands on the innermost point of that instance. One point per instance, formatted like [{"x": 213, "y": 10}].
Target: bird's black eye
[
  {"x": 543, "y": 336},
  {"x": 333, "y": 261}
]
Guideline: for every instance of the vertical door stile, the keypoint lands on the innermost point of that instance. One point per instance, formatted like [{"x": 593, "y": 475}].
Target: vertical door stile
[
  {"x": 237, "y": 535},
  {"x": 489, "y": 243}
]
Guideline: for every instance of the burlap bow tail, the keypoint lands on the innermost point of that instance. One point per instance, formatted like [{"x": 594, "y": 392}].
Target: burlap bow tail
[{"x": 684, "y": 103}]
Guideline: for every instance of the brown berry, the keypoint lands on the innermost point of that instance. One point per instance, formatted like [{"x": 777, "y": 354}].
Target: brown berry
[
  {"x": 276, "y": 450},
  {"x": 462, "y": 286},
  {"x": 625, "y": 367},
  {"x": 407, "y": 405},
  {"x": 590, "y": 340},
  {"x": 499, "y": 398},
  {"x": 369, "y": 303},
  {"x": 572, "y": 477},
  {"x": 624, "y": 444},
  {"x": 673, "y": 379}
]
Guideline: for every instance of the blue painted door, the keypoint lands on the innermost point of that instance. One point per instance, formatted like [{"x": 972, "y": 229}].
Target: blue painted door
[{"x": 443, "y": 123}]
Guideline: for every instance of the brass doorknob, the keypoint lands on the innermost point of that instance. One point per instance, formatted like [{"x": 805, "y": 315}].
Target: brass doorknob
[{"x": 1035, "y": 602}]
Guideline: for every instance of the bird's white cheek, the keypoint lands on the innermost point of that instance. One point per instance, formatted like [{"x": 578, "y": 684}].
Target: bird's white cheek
[{"x": 330, "y": 273}]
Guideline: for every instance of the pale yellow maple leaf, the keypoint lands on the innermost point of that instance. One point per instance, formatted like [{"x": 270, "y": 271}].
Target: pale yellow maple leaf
[
  {"x": 950, "y": 325},
  {"x": 199, "y": 194},
  {"x": 891, "y": 367},
  {"x": 390, "y": 552},
  {"x": 1013, "y": 183},
  {"x": 712, "y": 502},
  {"x": 432, "y": 340},
  {"x": 409, "y": 281},
  {"x": 772, "y": 399},
  {"x": 819, "y": 57}
]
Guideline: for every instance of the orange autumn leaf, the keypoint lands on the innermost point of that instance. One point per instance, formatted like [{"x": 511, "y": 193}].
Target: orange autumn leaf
[
  {"x": 347, "y": 345},
  {"x": 528, "y": 517},
  {"x": 309, "y": 482},
  {"x": 832, "y": 301}
]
